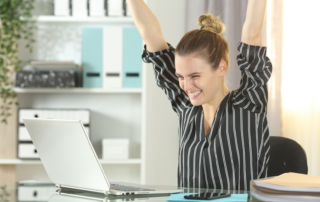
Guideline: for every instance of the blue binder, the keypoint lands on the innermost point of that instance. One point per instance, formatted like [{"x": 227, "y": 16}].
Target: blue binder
[
  {"x": 132, "y": 62},
  {"x": 92, "y": 57}
]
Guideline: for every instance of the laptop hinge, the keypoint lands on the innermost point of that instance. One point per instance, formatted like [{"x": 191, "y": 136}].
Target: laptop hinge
[{"x": 83, "y": 189}]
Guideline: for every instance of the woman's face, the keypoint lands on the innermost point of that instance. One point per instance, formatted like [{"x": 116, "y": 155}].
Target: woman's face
[{"x": 198, "y": 79}]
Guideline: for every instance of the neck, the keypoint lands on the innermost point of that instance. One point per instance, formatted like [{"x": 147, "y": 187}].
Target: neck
[{"x": 210, "y": 108}]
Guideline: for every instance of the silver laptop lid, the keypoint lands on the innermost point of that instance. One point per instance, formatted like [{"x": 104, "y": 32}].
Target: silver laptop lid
[{"x": 67, "y": 153}]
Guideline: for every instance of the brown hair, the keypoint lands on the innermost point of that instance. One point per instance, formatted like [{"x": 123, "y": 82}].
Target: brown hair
[{"x": 206, "y": 42}]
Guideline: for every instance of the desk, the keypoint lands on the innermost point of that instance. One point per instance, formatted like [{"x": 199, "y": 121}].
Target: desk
[{"x": 44, "y": 191}]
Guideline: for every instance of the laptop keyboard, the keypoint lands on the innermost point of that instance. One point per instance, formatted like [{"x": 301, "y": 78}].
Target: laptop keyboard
[{"x": 128, "y": 188}]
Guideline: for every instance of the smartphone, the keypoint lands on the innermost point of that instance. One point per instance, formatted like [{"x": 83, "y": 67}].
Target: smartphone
[{"x": 206, "y": 196}]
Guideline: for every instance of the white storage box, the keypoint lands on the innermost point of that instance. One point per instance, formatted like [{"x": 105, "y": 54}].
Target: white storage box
[
  {"x": 23, "y": 134},
  {"x": 34, "y": 193},
  {"x": 73, "y": 114},
  {"x": 115, "y": 149},
  {"x": 27, "y": 150}
]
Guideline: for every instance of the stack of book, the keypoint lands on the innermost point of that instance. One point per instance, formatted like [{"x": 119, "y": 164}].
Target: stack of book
[
  {"x": 49, "y": 74},
  {"x": 286, "y": 187}
]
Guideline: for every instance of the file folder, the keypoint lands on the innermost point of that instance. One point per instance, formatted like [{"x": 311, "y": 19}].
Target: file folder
[
  {"x": 112, "y": 57},
  {"x": 132, "y": 62},
  {"x": 92, "y": 57}
]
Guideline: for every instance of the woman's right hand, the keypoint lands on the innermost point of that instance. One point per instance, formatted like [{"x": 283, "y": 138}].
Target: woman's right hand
[{"x": 148, "y": 25}]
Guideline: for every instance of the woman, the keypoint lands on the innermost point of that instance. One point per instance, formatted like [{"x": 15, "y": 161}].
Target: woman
[{"x": 223, "y": 134}]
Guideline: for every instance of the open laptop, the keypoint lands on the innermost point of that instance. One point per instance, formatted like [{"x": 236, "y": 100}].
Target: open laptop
[{"x": 71, "y": 162}]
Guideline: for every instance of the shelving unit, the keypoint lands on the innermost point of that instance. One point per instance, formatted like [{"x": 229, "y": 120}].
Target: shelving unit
[
  {"x": 144, "y": 115},
  {"x": 124, "y": 119}
]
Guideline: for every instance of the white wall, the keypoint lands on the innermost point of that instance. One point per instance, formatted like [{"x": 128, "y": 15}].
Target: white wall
[{"x": 162, "y": 122}]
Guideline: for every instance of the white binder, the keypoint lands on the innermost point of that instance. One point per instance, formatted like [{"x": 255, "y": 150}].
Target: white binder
[
  {"x": 79, "y": 8},
  {"x": 115, "y": 7},
  {"x": 97, "y": 8},
  {"x": 112, "y": 57},
  {"x": 61, "y": 8}
]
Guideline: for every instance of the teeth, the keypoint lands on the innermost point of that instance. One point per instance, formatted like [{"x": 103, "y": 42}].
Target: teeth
[{"x": 195, "y": 94}]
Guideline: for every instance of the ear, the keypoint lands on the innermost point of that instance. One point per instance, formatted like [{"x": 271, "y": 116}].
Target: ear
[{"x": 222, "y": 68}]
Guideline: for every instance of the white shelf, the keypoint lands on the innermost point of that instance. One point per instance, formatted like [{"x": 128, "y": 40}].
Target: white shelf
[
  {"x": 106, "y": 19},
  {"x": 38, "y": 162},
  {"x": 77, "y": 90}
]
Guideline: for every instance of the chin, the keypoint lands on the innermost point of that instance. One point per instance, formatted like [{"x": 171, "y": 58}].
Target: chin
[{"x": 196, "y": 103}]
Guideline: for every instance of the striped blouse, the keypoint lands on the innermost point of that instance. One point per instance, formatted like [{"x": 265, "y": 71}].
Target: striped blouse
[{"x": 236, "y": 148}]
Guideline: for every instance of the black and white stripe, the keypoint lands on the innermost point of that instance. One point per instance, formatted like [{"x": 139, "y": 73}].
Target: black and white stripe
[{"x": 240, "y": 150}]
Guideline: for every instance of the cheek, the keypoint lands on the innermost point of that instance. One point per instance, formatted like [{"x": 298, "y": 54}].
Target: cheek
[
  {"x": 206, "y": 84},
  {"x": 200, "y": 83}
]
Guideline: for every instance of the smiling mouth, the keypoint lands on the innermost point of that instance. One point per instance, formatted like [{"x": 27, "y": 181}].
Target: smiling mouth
[{"x": 194, "y": 95}]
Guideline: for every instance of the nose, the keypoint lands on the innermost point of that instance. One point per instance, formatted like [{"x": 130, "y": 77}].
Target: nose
[{"x": 187, "y": 84}]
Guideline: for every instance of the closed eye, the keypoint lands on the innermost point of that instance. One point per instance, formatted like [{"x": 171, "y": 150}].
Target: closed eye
[{"x": 193, "y": 76}]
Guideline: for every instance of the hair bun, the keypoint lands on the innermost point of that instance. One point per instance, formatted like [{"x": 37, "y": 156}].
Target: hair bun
[{"x": 211, "y": 24}]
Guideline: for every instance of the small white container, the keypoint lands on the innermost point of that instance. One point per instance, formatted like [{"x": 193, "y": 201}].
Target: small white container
[{"x": 115, "y": 148}]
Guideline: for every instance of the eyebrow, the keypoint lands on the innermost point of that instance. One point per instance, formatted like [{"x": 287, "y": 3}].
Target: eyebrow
[{"x": 189, "y": 74}]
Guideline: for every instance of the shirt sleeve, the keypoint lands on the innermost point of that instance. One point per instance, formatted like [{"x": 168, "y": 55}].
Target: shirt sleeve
[
  {"x": 256, "y": 70},
  {"x": 164, "y": 69}
]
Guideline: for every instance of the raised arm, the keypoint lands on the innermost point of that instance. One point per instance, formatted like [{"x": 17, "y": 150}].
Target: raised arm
[
  {"x": 148, "y": 25},
  {"x": 251, "y": 31},
  {"x": 255, "y": 66}
]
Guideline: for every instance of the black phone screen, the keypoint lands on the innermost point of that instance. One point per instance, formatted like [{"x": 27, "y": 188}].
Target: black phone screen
[{"x": 206, "y": 196}]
